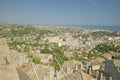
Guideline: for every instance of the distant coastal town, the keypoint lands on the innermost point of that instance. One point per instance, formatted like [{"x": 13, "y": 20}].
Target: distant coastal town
[{"x": 30, "y": 52}]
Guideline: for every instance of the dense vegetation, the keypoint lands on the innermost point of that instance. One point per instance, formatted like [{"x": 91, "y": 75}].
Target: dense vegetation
[
  {"x": 58, "y": 53},
  {"x": 107, "y": 48},
  {"x": 21, "y": 30},
  {"x": 36, "y": 60},
  {"x": 105, "y": 33},
  {"x": 98, "y": 51}
]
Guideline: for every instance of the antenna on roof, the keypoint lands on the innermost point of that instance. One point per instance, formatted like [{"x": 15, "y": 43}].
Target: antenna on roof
[
  {"x": 35, "y": 71},
  {"x": 60, "y": 67}
]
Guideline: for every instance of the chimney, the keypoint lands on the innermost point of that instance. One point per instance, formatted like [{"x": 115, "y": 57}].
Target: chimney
[
  {"x": 97, "y": 75},
  {"x": 6, "y": 61},
  {"x": 110, "y": 78},
  {"x": 101, "y": 76},
  {"x": 90, "y": 69},
  {"x": 118, "y": 68}
]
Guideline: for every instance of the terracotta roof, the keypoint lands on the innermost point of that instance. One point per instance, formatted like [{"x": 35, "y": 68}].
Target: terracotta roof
[{"x": 25, "y": 67}]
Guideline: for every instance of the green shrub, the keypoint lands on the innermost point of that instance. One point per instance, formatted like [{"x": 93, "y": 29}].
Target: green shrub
[{"x": 36, "y": 60}]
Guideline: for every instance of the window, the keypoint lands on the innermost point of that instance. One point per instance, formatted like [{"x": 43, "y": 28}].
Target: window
[{"x": 26, "y": 57}]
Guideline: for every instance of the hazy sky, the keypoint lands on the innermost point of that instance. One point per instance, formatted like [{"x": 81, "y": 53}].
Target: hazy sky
[{"x": 60, "y": 12}]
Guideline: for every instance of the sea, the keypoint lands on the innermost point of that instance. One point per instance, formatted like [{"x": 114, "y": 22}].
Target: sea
[
  {"x": 92, "y": 27},
  {"x": 115, "y": 28}
]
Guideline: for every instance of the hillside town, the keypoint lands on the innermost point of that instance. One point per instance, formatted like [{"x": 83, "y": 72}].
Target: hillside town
[{"x": 30, "y": 52}]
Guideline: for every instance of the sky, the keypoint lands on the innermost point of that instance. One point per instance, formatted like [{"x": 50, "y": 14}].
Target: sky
[{"x": 60, "y": 12}]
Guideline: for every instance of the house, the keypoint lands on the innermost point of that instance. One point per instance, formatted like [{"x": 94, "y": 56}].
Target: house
[
  {"x": 97, "y": 63},
  {"x": 95, "y": 66},
  {"x": 78, "y": 76},
  {"x": 71, "y": 66},
  {"x": 45, "y": 58},
  {"x": 115, "y": 55},
  {"x": 107, "y": 56},
  {"x": 43, "y": 72},
  {"x": 69, "y": 53},
  {"x": 117, "y": 64},
  {"x": 19, "y": 58}
]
